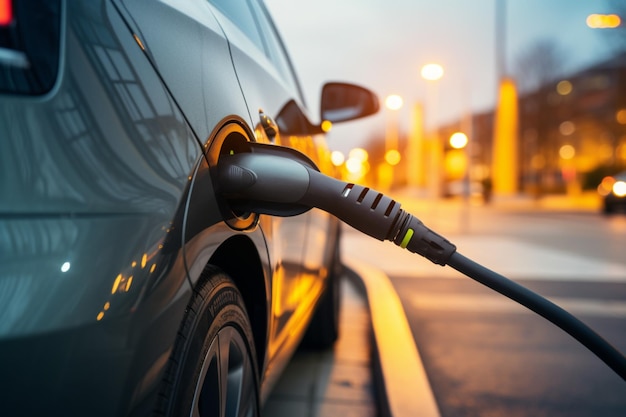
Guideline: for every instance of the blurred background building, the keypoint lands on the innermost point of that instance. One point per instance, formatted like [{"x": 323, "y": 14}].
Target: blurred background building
[{"x": 571, "y": 133}]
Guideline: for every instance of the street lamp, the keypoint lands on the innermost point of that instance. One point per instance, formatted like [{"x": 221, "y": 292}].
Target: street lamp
[
  {"x": 603, "y": 21},
  {"x": 357, "y": 164},
  {"x": 457, "y": 160},
  {"x": 393, "y": 102},
  {"x": 337, "y": 158},
  {"x": 458, "y": 140},
  {"x": 461, "y": 160},
  {"x": 433, "y": 72}
]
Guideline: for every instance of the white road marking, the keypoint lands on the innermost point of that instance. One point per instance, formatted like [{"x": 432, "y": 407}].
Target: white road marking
[
  {"x": 513, "y": 259},
  {"x": 479, "y": 303}
]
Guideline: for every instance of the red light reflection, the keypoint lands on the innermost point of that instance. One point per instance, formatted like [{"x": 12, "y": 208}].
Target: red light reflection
[{"x": 6, "y": 12}]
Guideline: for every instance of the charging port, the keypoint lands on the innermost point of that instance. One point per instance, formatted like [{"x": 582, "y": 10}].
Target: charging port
[{"x": 232, "y": 139}]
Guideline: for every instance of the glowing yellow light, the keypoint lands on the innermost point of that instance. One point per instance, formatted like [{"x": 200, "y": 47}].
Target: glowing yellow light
[
  {"x": 354, "y": 165},
  {"x": 100, "y": 315},
  {"x": 458, "y": 140},
  {"x": 607, "y": 182},
  {"x": 144, "y": 260},
  {"x": 139, "y": 42},
  {"x": 606, "y": 186},
  {"x": 602, "y": 191},
  {"x": 326, "y": 125},
  {"x": 620, "y": 116},
  {"x": 455, "y": 163},
  {"x": 594, "y": 21},
  {"x": 116, "y": 283},
  {"x": 394, "y": 102},
  {"x": 358, "y": 153},
  {"x": 432, "y": 72},
  {"x": 505, "y": 150},
  {"x": 392, "y": 157},
  {"x": 619, "y": 189},
  {"x": 128, "y": 283},
  {"x": 567, "y": 152},
  {"x": 603, "y": 21},
  {"x": 133, "y": 264},
  {"x": 337, "y": 158},
  {"x": 152, "y": 268},
  {"x": 564, "y": 87}
]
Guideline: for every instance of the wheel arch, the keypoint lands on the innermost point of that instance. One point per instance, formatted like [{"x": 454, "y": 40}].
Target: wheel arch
[
  {"x": 242, "y": 256},
  {"x": 238, "y": 257}
]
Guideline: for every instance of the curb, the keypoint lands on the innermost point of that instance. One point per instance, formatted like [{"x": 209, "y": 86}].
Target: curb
[{"x": 402, "y": 383}]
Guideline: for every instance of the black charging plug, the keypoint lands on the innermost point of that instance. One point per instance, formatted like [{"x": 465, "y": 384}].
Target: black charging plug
[{"x": 264, "y": 182}]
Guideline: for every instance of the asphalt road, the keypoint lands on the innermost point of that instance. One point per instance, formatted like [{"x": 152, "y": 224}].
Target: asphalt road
[{"x": 487, "y": 356}]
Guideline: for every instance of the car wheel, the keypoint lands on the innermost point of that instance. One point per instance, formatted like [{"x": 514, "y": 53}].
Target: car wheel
[
  {"x": 323, "y": 330},
  {"x": 212, "y": 370}
]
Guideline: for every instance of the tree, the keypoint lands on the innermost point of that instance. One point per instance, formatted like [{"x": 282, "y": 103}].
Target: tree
[
  {"x": 539, "y": 64},
  {"x": 538, "y": 69}
]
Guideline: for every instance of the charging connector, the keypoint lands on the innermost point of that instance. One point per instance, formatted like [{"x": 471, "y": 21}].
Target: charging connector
[
  {"x": 270, "y": 184},
  {"x": 282, "y": 182}
]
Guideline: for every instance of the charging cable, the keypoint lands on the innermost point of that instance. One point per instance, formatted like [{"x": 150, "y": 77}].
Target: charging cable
[{"x": 283, "y": 182}]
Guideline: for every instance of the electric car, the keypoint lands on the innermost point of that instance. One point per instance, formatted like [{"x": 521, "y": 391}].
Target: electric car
[{"x": 128, "y": 285}]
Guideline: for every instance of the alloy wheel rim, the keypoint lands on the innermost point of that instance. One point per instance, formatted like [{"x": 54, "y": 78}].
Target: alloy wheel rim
[{"x": 226, "y": 386}]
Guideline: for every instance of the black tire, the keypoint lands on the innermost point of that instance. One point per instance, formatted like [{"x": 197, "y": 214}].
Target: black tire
[
  {"x": 212, "y": 370},
  {"x": 323, "y": 330}
]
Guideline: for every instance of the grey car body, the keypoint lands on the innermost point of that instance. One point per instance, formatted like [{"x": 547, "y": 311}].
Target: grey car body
[{"x": 113, "y": 114}]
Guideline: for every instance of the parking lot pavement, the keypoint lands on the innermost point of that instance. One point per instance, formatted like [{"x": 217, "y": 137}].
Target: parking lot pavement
[{"x": 337, "y": 382}]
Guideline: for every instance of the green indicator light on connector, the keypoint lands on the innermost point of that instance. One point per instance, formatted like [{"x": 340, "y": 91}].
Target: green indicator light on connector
[
  {"x": 231, "y": 152},
  {"x": 407, "y": 238}
]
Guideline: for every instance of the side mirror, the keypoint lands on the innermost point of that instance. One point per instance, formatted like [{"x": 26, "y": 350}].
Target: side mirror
[{"x": 342, "y": 102}]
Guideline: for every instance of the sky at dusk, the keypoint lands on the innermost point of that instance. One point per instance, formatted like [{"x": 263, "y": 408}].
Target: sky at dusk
[{"x": 382, "y": 44}]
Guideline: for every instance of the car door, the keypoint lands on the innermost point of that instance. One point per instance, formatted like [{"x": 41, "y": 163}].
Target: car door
[{"x": 272, "y": 93}]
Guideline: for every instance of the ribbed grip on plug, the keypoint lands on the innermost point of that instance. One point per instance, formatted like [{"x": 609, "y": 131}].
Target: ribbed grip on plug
[{"x": 364, "y": 209}]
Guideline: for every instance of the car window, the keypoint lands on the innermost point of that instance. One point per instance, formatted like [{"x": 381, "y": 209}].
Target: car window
[
  {"x": 276, "y": 51},
  {"x": 253, "y": 22},
  {"x": 240, "y": 13}
]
